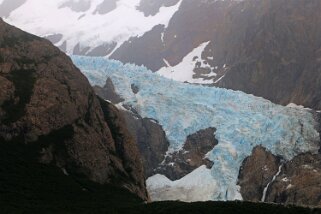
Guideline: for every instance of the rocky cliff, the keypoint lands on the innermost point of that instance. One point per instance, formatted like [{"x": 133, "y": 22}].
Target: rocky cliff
[
  {"x": 265, "y": 177},
  {"x": 273, "y": 50},
  {"x": 46, "y": 101}
]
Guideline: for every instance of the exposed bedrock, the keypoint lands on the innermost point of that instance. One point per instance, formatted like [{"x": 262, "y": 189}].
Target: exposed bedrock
[
  {"x": 191, "y": 156},
  {"x": 46, "y": 102},
  {"x": 256, "y": 172},
  {"x": 108, "y": 92},
  {"x": 294, "y": 182},
  {"x": 150, "y": 138}
]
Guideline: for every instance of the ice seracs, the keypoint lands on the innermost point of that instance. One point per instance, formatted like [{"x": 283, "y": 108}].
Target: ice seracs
[{"x": 242, "y": 121}]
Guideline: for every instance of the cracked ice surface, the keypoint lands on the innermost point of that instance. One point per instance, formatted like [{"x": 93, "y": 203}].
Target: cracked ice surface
[{"x": 242, "y": 121}]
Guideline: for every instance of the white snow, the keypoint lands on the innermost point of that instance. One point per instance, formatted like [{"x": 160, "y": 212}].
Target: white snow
[
  {"x": 45, "y": 18},
  {"x": 293, "y": 105},
  {"x": 196, "y": 186},
  {"x": 184, "y": 71}
]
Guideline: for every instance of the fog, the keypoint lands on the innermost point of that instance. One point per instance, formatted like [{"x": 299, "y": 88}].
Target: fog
[{"x": 7, "y": 6}]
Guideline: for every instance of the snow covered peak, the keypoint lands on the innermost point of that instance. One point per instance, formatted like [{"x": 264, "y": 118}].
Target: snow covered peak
[{"x": 88, "y": 24}]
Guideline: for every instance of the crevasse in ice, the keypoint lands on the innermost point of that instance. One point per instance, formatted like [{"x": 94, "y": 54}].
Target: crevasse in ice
[{"x": 242, "y": 121}]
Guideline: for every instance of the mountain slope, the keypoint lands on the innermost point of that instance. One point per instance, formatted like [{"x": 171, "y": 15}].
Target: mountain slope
[
  {"x": 276, "y": 54},
  {"x": 85, "y": 27},
  {"x": 47, "y": 103},
  {"x": 266, "y": 48}
]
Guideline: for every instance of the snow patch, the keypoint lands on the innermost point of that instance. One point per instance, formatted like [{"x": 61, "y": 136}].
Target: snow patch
[
  {"x": 293, "y": 105},
  {"x": 196, "y": 186},
  {"x": 184, "y": 71}
]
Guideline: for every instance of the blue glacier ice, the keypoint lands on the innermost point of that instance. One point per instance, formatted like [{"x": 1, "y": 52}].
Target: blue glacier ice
[{"x": 242, "y": 121}]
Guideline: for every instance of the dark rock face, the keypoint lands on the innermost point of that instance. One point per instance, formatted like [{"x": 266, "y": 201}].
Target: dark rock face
[
  {"x": 151, "y": 141},
  {"x": 192, "y": 156},
  {"x": 108, "y": 92},
  {"x": 273, "y": 49},
  {"x": 152, "y": 7},
  {"x": 298, "y": 182},
  {"x": 126, "y": 149},
  {"x": 146, "y": 50},
  {"x": 256, "y": 172},
  {"x": 46, "y": 101},
  {"x": 148, "y": 134}
]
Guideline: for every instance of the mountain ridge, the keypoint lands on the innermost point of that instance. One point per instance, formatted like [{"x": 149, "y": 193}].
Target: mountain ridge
[{"x": 46, "y": 101}]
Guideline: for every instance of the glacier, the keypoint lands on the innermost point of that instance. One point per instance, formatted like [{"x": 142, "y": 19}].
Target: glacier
[{"x": 242, "y": 121}]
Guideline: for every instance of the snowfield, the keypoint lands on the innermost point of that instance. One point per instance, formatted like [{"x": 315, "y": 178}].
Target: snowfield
[
  {"x": 242, "y": 121},
  {"x": 88, "y": 28}
]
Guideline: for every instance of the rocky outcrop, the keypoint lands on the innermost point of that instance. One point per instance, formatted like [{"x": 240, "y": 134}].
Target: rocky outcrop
[
  {"x": 46, "y": 101},
  {"x": 108, "y": 92},
  {"x": 294, "y": 182},
  {"x": 147, "y": 133},
  {"x": 299, "y": 183},
  {"x": 273, "y": 51},
  {"x": 256, "y": 172},
  {"x": 190, "y": 157},
  {"x": 150, "y": 138}
]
